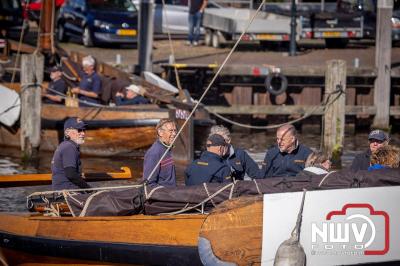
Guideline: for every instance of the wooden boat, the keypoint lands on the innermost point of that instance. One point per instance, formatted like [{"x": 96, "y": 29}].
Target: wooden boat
[
  {"x": 242, "y": 231},
  {"x": 116, "y": 130},
  {"x": 45, "y": 179}
]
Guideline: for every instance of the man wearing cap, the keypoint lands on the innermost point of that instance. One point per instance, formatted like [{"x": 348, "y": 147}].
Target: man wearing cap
[
  {"x": 131, "y": 97},
  {"x": 238, "y": 160},
  {"x": 89, "y": 87},
  {"x": 287, "y": 157},
  {"x": 164, "y": 173},
  {"x": 210, "y": 167},
  {"x": 66, "y": 163},
  {"x": 377, "y": 139},
  {"x": 57, "y": 87}
]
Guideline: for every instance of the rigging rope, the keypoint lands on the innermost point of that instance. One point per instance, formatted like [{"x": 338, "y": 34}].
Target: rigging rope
[{"x": 207, "y": 89}]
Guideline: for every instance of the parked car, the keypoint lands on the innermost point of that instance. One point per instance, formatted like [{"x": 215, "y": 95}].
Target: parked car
[
  {"x": 176, "y": 13},
  {"x": 98, "y": 21},
  {"x": 31, "y": 8},
  {"x": 11, "y": 20}
]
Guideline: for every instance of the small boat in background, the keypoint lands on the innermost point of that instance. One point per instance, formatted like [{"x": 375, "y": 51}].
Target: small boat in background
[{"x": 112, "y": 130}]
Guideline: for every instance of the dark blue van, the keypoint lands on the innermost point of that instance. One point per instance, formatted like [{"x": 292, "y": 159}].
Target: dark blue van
[
  {"x": 98, "y": 21},
  {"x": 11, "y": 19}
]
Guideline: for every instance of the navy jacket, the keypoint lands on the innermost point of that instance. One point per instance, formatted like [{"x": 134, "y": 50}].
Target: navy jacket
[
  {"x": 66, "y": 155},
  {"x": 278, "y": 164},
  {"x": 136, "y": 100},
  {"x": 164, "y": 174},
  {"x": 90, "y": 83},
  {"x": 241, "y": 164},
  {"x": 361, "y": 161},
  {"x": 209, "y": 168}
]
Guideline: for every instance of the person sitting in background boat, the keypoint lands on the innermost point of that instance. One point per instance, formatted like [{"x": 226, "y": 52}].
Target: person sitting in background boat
[
  {"x": 237, "y": 159},
  {"x": 210, "y": 167},
  {"x": 288, "y": 157},
  {"x": 385, "y": 157},
  {"x": 89, "y": 87},
  {"x": 66, "y": 163},
  {"x": 132, "y": 96},
  {"x": 57, "y": 87},
  {"x": 377, "y": 139},
  {"x": 164, "y": 175},
  {"x": 317, "y": 163}
]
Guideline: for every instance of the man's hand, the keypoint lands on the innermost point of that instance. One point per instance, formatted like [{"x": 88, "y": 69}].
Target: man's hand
[
  {"x": 76, "y": 90},
  {"x": 119, "y": 94}
]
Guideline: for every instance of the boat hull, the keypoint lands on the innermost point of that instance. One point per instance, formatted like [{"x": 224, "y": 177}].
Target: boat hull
[{"x": 160, "y": 240}]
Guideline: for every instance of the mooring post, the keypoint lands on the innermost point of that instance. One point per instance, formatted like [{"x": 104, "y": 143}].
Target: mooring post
[
  {"x": 145, "y": 42},
  {"x": 334, "y": 117},
  {"x": 383, "y": 52},
  {"x": 31, "y": 79}
]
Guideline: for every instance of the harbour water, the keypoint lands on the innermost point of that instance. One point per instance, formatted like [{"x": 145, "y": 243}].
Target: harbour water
[{"x": 13, "y": 199}]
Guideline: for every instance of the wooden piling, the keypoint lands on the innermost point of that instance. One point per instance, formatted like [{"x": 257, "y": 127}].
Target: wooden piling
[
  {"x": 334, "y": 118},
  {"x": 383, "y": 51},
  {"x": 31, "y": 77}
]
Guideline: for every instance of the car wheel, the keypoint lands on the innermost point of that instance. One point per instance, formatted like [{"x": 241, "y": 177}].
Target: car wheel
[
  {"x": 87, "y": 38},
  {"x": 216, "y": 42},
  {"x": 61, "y": 33},
  {"x": 208, "y": 38}
]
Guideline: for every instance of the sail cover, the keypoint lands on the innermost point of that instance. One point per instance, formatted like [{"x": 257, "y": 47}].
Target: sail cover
[
  {"x": 10, "y": 106},
  {"x": 203, "y": 198}
]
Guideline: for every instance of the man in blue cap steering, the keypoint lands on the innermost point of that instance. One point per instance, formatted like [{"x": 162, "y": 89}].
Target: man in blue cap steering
[{"x": 66, "y": 165}]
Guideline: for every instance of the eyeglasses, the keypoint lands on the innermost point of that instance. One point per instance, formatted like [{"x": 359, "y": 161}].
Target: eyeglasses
[
  {"x": 171, "y": 130},
  {"x": 81, "y": 130},
  {"x": 376, "y": 141}
]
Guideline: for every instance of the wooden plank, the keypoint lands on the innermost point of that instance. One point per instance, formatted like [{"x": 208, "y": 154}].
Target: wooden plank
[
  {"x": 61, "y": 112},
  {"x": 234, "y": 232},
  {"x": 179, "y": 230},
  {"x": 291, "y": 109},
  {"x": 45, "y": 179},
  {"x": 335, "y": 100},
  {"x": 383, "y": 51}
]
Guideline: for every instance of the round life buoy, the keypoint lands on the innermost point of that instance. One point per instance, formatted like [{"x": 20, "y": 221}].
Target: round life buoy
[{"x": 273, "y": 89}]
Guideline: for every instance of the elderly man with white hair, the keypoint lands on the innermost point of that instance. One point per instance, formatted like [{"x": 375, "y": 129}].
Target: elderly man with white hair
[
  {"x": 89, "y": 87},
  {"x": 130, "y": 97}
]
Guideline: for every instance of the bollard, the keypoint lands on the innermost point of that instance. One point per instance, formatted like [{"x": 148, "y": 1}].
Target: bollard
[{"x": 334, "y": 116}]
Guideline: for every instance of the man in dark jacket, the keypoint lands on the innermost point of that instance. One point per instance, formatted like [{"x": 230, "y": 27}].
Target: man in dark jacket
[
  {"x": 288, "y": 157},
  {"x": 210, "y": 168},
  {"x": 238, "y": 160},
  {"x": 57, "y": 87},
  {"x": 377, "y": 139},
  {"x": 132, "y": 96},
  {"x": 164, "y": 173},
  {"x": 66, "y": 165}
]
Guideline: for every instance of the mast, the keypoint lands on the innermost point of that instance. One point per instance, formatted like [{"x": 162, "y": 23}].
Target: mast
[{"x": 46, "y": 26}]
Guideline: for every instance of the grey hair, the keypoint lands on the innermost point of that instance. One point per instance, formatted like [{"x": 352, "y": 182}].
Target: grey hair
[
  {"x": 220, "y": 130},
  {"x": 88, "y": 61}
]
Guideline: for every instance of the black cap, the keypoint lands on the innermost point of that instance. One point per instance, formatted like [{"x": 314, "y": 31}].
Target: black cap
[
  {"x": 378, "y": 135},
  {"x": 55, "y": 69},
  {"x": 216, "y": 140},
  {"x": 75, "y": 123}
]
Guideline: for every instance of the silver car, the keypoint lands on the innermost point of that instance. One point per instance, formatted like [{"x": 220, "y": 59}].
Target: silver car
[{"x": 176, "y": 13}]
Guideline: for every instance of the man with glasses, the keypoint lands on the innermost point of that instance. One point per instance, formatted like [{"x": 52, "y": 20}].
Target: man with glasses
[
  {"x": 164, "y": 174},
  {"x": 377, "y": 139},
  {"x": 287, "y": 157},
  {"x": 66, "y": 165},
  {"x": 210, "y": 167}
]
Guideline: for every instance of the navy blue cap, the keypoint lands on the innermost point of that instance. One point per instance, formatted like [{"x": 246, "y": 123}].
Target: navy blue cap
[
  {"x": 75, "y": 123},
  {"x": 55, "y": 69},
  {"x": 216, "y": 140},
  {"x": 378, "y": 135}
]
